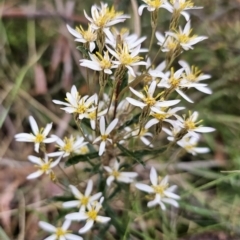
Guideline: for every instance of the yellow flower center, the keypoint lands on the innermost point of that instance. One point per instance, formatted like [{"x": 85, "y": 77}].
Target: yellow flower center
[
  {"x": 81, "y": 108},
  {"x": 84, "y": 200},
  {"x": 68, "y": 147},
  {"x": 160, "y": 116},
  {"x": 154, "y": 3},
  {"x": 92, "y": 214},
  {"x": 183, "y": 4},
  {"x": 88, "y": 35},
  {"x": 160, "y": 189},
  {"x": 125, "y": 58},
  {"x": 45, "y": 167},
  {"x": 149, "y": 101},
  {"x": 189, "y": 125},
  {"x": 104, "y": 61},
  {"x": 192, "y": 76},
  {"x": 84, "y": 150},
  {"x": 105, "y": 16},
  {"x": 171, "y": 44},
  {"x": 104, "y": 137},
  {"x": 115, "y": 173},
  {"x": 60, "y": 233},
  {"x": 39, "y": 138}
]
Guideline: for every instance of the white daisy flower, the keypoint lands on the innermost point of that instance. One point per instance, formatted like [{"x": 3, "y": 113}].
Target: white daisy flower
[
  {"x": 148, "y": 99},
  {"x": 44, "y": 166},
  {"x": 173, "y": 81},
  {"x": 115, "y": 174},
  {"x": 67, "y": 146},
  {"x": 82, "y": 199},
  {"x": 180, "y": 7},
  {"x": 90, "y": 215},
  {"x": 184, "y": 38},
  {"x": 168, "y": 43},
  {"x": 193, "y": 76},
  {"x": 126, "y": 58},
  {"x": 38, "y": 136},
  {"x": 89, "y": 36},
  {"x": 98, "y": 62},
  {"x": 152, "y": 5},
  {"x": 59, "y": 233},
  {"x": 160, "y": 188},
  {"x": 77, "y": 104},
  {"x": 162, "y": 114},
  {"x": 105, "y": 132},
  {"x": 173, "y": 132},
  {"x": 115, "y": 37},
  {"x": 189, "y": 143},
  {"x": 104, "y": 17},
  {"x": 191, "y": 125}
]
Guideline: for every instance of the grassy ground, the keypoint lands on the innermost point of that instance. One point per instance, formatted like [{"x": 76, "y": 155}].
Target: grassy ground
[{"x": 39, "y": 62}]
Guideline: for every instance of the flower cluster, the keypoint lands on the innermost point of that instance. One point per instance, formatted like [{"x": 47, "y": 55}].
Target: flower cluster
[{"x": 133, "y": 100}]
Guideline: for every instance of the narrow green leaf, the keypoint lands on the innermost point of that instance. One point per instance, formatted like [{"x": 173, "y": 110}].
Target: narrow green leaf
[
  {"x": 3, "y": 235},
  {"x": 81, "y": 158}
]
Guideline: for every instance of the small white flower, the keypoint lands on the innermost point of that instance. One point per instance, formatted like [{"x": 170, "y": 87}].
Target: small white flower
[
  {"x": 180, "y": 7},
  {"x": 61, "y": 233},
  {"x": 193, "y": 76},
  {"x": 90, "y": 215},
  {"x": 162, "y": 114},
  {"x": 104, "y": 17},
  {"x": 98, "y": 62},
  {"x": 189, "y": 143},
  {"x": 184, "y": 38},
  {"x": 114, "y": 37},
  {"x": 148, "y": 99},
  {"x": 173, "y": 81},
  {"x": 191, "y": 125},
  {"x": 126, "y": 58},
  {"x": 152, "y": 5},
  {"x": 67, "y": 146},
  {"x": 38, "y": 136},
  {"x": 168, "y": 43},
  {"x": 173, "y": 133},
  {"x": 82, "y": 200},
  {"x": 82, "y": 36},
  {"x": 44, "y": 166},
  {"x": 105, "y": 134},
  {"x": 115, "y": 174},
  {"x": 160, "y": 188},
  {"x": 77, "y": 104}
]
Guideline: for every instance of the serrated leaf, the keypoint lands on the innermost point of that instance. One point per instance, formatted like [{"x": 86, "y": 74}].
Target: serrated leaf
[{"x": 81, "y": 158}]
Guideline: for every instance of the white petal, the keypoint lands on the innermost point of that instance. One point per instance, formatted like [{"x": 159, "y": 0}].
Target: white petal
[
  {"x": 35, "y": 174},
  {"x": 66, "y": 224},
  {"x": 34, "y": 159},
  {"x": 111, "y": 126},
  {"x": 140, "y": 9},
  {"x": 102, "y": 148},
  {"x": 87, "y": 226},
  {"x": 95, "y": 197},
  {"x": 70, "y": 236},
  {"x": 76, "y": 192},
  {"x": 184, "y": 95},
  {"x": 89, "y": 188},
  {"x": 103, "y": 219},
  {"x": 77, "y": 216},
  {"x": 110, "y": 179},
  {"x": 171, "y": 201},
  {"x": 205, "y": 129},
  {"x": 47, "y": 130},
  {"x": 144, "y": 187},
  {"x": 171, "y": 195},
  {"x": 52, "y": 237},
  {"x": 33, "y": 125},
  {"x": 71, "y": 204},
  {"x": 136, "y": 102},
  {"x": 102, "y": 125},
  {"x": 153, "y": 176},
  {"x": 47, "y": 227}
]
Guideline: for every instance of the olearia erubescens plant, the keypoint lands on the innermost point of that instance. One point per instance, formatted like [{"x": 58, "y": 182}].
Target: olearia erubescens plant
[{"x": 123, "y": 123}]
